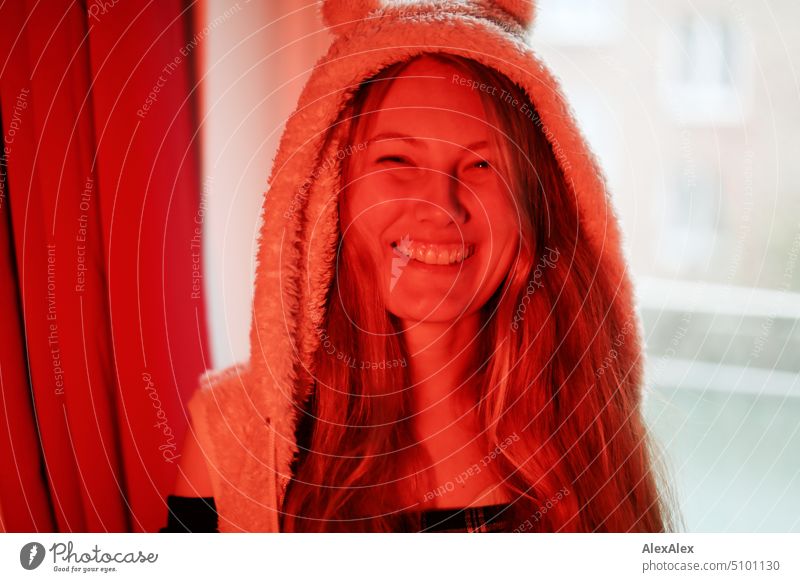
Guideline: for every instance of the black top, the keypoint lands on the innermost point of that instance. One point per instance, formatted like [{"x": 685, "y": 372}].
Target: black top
[
  {"x": 481, "y": 519},
  {"x": 199, "y": 514},
  {"x": 191, "y": 514}
]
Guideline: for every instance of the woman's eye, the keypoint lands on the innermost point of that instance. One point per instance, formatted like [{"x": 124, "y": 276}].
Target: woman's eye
[
  {"x": 392, "y": 159},
  {"x": 481, "y": 164}
]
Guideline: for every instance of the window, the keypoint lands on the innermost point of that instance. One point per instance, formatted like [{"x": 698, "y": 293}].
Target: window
[
  {"x": 689, "y": 223},
  {"x": 702, "y": 70},
  {"x": 579, "y": 22}
]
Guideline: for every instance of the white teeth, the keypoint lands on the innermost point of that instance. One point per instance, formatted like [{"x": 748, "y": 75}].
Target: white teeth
[{"x": 432, "y": 254}]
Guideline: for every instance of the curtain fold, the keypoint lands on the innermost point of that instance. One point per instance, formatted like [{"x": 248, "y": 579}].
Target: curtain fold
[{"x": 103, "y": 312}]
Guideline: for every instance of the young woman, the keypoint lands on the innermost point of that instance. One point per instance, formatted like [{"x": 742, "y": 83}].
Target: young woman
[{"x": 444, "y": 337}]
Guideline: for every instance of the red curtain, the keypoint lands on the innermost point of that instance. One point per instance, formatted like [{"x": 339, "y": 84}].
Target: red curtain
[{"x": 103, "y": 329}]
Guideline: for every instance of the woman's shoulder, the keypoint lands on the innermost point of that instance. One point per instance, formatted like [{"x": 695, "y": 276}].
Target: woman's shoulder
[
  {"x": 238, "y": 447},
  {"x": 223, "y": 415},
  {"x": 223, "y": 402},
  {"x": 221, "y": 385},
  {"x": 214, "y": 418}
]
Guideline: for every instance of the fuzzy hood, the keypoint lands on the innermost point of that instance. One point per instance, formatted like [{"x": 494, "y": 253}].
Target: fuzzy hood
[{"x": 245, "y": 415}]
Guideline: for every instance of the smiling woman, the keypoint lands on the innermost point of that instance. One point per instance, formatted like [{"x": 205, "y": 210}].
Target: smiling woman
[{"x": 465, "y": 231}]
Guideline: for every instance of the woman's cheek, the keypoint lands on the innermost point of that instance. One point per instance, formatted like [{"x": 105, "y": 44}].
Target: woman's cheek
[
  {"x": 366, "y": 208},
  {"x": 359, "y": 198},
  {"x": 499, "y": 204},
  {"x": 384, "y": 188}
]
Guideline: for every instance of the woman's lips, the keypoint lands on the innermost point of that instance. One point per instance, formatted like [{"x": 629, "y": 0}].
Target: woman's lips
[{"x": 431, "y": 253}]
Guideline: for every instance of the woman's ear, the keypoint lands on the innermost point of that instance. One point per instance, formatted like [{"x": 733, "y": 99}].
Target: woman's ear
[{"x": 340, "y": 15}]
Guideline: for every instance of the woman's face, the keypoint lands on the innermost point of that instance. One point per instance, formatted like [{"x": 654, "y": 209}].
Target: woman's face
[{"x": 426, "y": 200}]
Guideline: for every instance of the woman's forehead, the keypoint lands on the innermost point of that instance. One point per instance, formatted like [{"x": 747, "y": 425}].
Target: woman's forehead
[
  {"x": 427, "y": 83},
  {"x": 427, "y": 104},
  {"x": 423, "y": 128}
]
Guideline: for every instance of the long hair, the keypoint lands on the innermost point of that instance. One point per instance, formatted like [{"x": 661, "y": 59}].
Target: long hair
[{"x": 559, "y": 399}]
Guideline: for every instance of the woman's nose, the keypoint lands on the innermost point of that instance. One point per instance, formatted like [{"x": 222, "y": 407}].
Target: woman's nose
[{"x": 439, "y": 200}]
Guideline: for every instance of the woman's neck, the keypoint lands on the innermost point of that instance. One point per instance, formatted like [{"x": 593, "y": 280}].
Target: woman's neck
[
  {"x": 443, "y": 360},
  {"x": 446, "y": 372}
]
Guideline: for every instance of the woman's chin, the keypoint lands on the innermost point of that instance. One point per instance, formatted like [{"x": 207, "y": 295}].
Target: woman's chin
[{"x": 426, "y": 310}]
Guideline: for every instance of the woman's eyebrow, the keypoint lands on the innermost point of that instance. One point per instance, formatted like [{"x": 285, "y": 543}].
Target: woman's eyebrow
[
  {"x": 387, "y": 135},
  {"x": 418, "y": 142}
]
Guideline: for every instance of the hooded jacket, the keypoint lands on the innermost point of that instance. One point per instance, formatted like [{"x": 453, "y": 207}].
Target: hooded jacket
[{"x": 245, "y": 416}]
